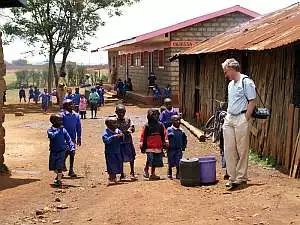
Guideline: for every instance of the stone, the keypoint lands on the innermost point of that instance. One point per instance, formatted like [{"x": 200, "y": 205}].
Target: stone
[
  {"x": 39, "y": 212},
  {"x": 19, "y": 114},
  {"x": 62, "y": 206},
  {"x": 46, "y": 209},
  {"x": 56, "y": 221},
  {"x": 57, "y": 199}
]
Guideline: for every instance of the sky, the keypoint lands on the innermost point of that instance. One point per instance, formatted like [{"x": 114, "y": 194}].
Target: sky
[{"x": 143, "y": 17}]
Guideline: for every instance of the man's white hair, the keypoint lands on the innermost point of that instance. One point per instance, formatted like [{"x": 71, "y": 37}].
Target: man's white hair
[{"x": 231, "y": 63}]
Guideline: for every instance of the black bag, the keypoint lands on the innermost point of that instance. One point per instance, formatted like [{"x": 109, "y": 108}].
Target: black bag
[{"x": 259, "y": 113}]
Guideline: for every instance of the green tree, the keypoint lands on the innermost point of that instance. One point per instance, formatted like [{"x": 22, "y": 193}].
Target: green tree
[
  {"x": 60, "y": 25},
  {"x": 22, "y": 77}
]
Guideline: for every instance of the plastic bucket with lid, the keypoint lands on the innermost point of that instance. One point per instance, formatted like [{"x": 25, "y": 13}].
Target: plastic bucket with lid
[
  {"x": 207, "y": 167},
  {"x": 189, "y": 172}
]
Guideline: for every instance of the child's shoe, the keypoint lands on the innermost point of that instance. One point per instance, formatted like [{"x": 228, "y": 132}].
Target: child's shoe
[
  {"x": 122, "y": 177},
  {"x": 154, "y": 177},
  {"x": 170, "y": 176},
  {"x": 132, "y": 176},
  {"x": 72, "y": 174},
  {"x": 146, "y": 174},
  {"x": 57, "y": 183}
]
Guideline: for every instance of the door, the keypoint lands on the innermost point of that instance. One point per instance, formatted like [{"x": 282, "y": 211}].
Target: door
[{"x": 150, "y": 62}]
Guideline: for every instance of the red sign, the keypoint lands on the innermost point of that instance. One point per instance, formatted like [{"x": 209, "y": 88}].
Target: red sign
[{"x": 182, "y": 44}]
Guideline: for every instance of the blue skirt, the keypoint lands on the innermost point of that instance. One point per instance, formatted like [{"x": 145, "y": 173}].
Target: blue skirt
[
  {"x": 128, "y": 152},
  {"x": 174, "y": 157},
  {"x": 113, "y": 163},
  {"x": 155, "y": 159},
  {"x": 56, "y": 160}
]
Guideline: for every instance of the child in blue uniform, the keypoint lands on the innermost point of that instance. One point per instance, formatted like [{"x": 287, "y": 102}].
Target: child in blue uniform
[
  {"x": 100, "y": 91},
  {"x": 59, "y": 142},
  {"x": 76, "y": 100},
  {"x": 177, "y": 144},
  {"x": 112, "y": 138},
  {"x": 22, "y": 94},
  {"x": 168, "y": 92},
  {"x": 71, "y": 122},
  {"x": 36, "y": 95},
  {"x": 165, "y": 116},
  {"x": 31, "y": 94},
  {"x": 45, "y": 96},
  {"x": 127, "y": 148}
]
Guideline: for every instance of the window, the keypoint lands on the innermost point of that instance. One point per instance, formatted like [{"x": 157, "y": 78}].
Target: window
[
  {"x": 137, "y": 61},
  {"x": 161, "y": 58},
  {"x": 142, "y": 58},
  {"x": 131, "y": 59}
]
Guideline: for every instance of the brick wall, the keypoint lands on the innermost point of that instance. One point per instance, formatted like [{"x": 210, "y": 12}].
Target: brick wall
[
  {"x": 170, "y": 73},
  {"x": 2, "y": 89}
]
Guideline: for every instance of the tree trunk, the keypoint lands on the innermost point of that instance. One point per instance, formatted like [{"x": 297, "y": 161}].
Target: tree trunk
[{"x": 50, "y": 70}]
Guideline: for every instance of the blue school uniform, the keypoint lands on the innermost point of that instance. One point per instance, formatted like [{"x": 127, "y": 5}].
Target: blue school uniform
[
  {"x": 72, "y": 124},
  {"x": 177, "y": 144},
  {"x": 60, "y": 141},
  {"x": 165, "y": 117},
  {"x": 157, "y": 94},
  {"x": 167, "y": 92},
  {"x": 112, "y": 151},
  {"x": 100, "y": 92},
  {"x": 76, "y": 99},
  {"x": 31, "y": 94},
  {"x": 127, "y": 147},
  {"x": 36, "y": 94},
  {"x": 45, "y": 100}
]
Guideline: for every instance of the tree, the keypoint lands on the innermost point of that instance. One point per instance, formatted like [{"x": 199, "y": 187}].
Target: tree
[
  {"x": 19, "y": 62},
  {"x": 60, "y": 25}
]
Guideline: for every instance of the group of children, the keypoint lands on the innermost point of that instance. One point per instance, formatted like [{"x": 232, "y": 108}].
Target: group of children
[
  {"x": 121, "y": 87},
  {"x": 63, "y": 135},
  {"x": 161, "y": 133}
]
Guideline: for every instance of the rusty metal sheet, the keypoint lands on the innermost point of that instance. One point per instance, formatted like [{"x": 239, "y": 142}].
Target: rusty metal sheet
[{"x": 273, "y": 30}]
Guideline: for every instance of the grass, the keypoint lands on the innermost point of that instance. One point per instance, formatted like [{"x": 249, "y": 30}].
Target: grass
[
  {"x": 264, "y": 161},
  {"x": 10, "y": 78}
]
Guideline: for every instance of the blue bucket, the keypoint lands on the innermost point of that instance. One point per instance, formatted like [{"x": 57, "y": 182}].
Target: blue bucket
[{"x": 207, "y": 166}]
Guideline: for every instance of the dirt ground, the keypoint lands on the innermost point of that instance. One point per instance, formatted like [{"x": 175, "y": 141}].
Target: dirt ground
[{"x": 270, "y": 198}]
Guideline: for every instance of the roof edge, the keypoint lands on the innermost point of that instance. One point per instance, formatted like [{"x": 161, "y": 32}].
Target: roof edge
[{"x": 186, "y": 23}]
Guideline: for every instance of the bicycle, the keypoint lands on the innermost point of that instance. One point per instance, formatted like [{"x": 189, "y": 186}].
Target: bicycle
[{"x": 213, "y": 126}]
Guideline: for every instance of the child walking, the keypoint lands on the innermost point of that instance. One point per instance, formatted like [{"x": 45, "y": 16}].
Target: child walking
[
  {"x": 112, "y": 138},
  {"x": 45, "y": 96},
  {"x": 94, "y": 99},
  {"x": 127, "y": 148},
  {"x": 178, "y": 142},
  {"x": 82, "y": 107},
  {"x": 165, "y": 116},
  {"x": 22, "y": 94},
  {"x": 60, "y": 141},
  {"x": 153, "y": 140}
]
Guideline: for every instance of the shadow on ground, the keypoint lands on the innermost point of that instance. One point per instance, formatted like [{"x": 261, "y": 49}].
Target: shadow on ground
[
  {"x": 9, "y": 182},
  {"x": 28, "y": 108}
]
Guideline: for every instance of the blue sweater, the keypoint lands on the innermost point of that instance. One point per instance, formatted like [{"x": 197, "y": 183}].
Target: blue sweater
[
  {"x": 177, "y": 139},
  {"x": 71, "y": 122},
  {"x": 59, "y": 140},
  {"x": 112, "y": 143}
]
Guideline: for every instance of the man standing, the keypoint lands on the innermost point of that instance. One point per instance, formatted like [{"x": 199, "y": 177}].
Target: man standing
[
  {"x": 113, "y": 75},
  {"x": 241, "y": 103},
  {"x": 71, "y": 122}
]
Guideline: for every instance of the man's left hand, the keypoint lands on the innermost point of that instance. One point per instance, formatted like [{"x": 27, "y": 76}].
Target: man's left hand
[{"x": 79, "y": 142}]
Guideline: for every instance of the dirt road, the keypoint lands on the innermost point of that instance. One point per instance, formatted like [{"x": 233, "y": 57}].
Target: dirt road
[{"x": 271, "y": 198}]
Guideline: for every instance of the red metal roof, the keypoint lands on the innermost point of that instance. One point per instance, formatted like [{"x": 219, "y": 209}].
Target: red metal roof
[
  {"x": 184, "y": 24},
  {"x": 276, "y": 29}
]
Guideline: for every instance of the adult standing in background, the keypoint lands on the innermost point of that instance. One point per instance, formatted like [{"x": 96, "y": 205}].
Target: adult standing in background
[
  {"x": 113, "y": 75},
  {"x": 241, "y": 103},
  {"x": 62, "y": 88}
]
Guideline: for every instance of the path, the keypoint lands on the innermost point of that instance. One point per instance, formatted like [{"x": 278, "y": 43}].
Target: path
[{"x": 271, "y": 198}]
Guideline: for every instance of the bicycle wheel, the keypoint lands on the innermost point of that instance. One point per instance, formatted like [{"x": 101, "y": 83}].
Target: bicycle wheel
[{"x": 209, "y": 127}]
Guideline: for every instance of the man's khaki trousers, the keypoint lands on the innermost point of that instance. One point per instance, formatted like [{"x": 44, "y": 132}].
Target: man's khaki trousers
[{"x": 236, "y": 146}]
